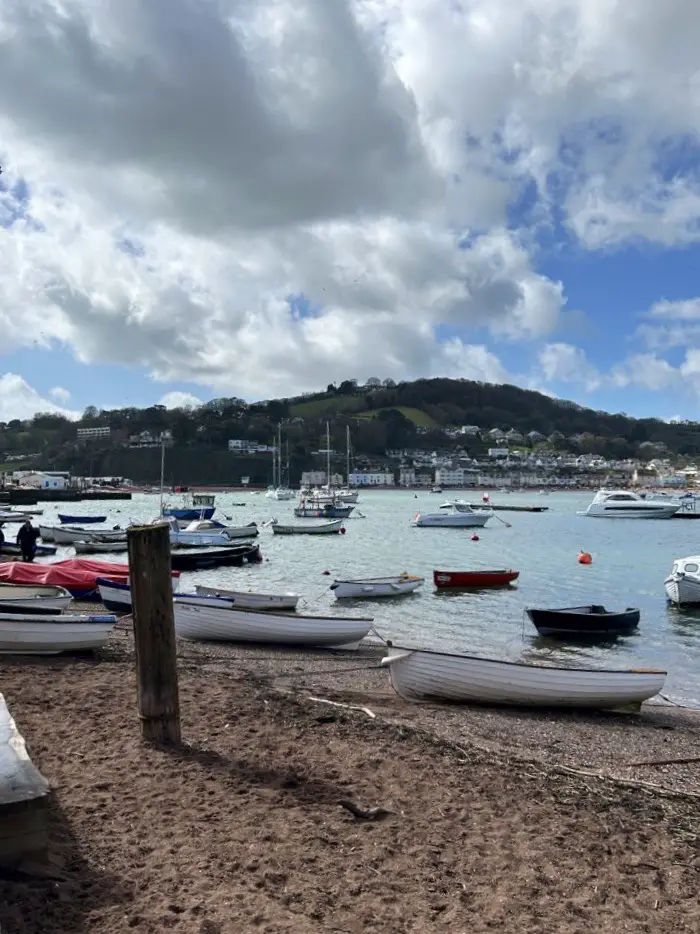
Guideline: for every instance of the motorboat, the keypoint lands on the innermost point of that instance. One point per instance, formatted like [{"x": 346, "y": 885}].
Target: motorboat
[
  {"x": 333, "y": 527},
  {"x": 251, "y": 600},
  {"x": 313, "y": 508},
  {"x": 624, "y": 504},
  {"x": 592, "y": 621},
  {"x": 420, "y": 674},
  {"x": 689, "y": 503},
  {"x": 224, "y": 622},
  {"x": 41, "y": 634},
  {"x": 33, "y": 598},
  {"x": 371, "y": 587},
  {"x": 281, "y": 493},
  {"x": 453, "y": 518},
  {"x": 682, "y": 585},
  {"x": 474, "y": 579}
]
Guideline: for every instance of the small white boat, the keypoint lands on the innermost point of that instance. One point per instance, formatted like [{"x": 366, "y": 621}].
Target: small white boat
[
  {"x": 462, "y": 517},
  {"x": 196, "y": 539},
  {"x": 47, "y": 533},
  {"x": 231, "y": 531},
  {"x": 67, "y": 534},
  {"x": 117, "y": 596},
  {"x": 623, "y": 504},
  {"x": 34, "y": 598},
  {"x": 436, "y": 489},
  {"x": 323, "y": 528},
  {"x": 30, "y": 634},
  {"x": 281, "y": 493},
  {"x": 682, "y": 585},
  {"x": 226, "y": 623},
  {"x": 252, "y": 601},
  {"x": 96, "y": 548},
  {"x": 418, "y": 674},
  {"x": 373, "y": 587}
]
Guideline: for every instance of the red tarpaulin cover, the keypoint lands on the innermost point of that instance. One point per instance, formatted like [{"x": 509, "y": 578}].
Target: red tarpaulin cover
[{"x": 78, "y": 575}]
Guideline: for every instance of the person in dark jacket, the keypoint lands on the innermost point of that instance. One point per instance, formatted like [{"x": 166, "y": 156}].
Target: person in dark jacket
[{"x": 26, "y": 539}]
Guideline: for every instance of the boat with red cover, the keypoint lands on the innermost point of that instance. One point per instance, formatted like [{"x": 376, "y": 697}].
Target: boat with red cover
[
  {"x": 77, "y": 575},
  {"x": 475, "y": 579}
]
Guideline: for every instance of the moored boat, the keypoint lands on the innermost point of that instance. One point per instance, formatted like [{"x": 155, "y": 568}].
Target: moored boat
[
  {"x": 592, "y": 621},
  {"x": 78, "y": 520},
  {"x": 419, "y": 674},
  {"x": 191, "y": 559},
  {"x": 623, "y": 504},
  {"x": 77, "y": 575},
  {"x": 10, "y": 548},
  {"x": 682, "y": 585},
  {"x": 69, "y": 534},
  {"x": 29, "y": 634},
  {"x": 97, "y": 548},
  {"x": 252, "y": 600},
  {"x": 231, "y": 531},
  {"x": 226, "y": 623},
  {"x": 474, "y": 579},
  {"x": 309, "y": 508},
  {"x": 369, "y": 588},
  {"x": 34, "y": 599},
  {"x": 196, "y": 506},
  {"x": 335, "y": 526},
  {"x": 453, "y": 518}
]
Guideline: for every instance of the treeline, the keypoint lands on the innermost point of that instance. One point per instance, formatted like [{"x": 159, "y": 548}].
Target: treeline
[{"x": 380, "y": 416}]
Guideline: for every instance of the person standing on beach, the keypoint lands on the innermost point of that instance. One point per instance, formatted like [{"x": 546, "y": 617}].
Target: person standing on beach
[{"x": 26, "y": 539}]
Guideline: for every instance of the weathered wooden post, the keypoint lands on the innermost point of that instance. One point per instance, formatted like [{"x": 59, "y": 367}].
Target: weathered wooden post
[{"x": 154, "y": 633}]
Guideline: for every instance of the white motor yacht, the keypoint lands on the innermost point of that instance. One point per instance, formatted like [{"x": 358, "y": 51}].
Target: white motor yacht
[
  {"x": 464, "y": 517},
  {"x": 623, "y": 504},
  {"x": 683, "y": 583}
]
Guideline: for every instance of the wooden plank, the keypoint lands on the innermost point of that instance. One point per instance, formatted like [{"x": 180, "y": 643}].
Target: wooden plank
[{"x": 154, "y": 633}]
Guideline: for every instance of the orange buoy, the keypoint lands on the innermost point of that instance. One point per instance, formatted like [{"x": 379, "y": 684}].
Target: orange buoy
[
  {"x": 584, "y": 557},
  {"x": 475, "y": 537}
]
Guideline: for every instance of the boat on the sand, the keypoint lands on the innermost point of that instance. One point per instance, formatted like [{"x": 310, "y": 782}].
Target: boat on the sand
[
  {"x": 37, "y": 634},
  {"x": 584, "y": 621},
  {"x": 251, "y": 600},
  {"x": 421, "y": 674},
  {"x": 226, "y": 623},
  {"x": 116, "y": 594},
  {"x": 77, "y": 575},
  {"x": 33, "y": 598},
  {"x": 370, "y": 587},
  {"x": 475, "y": 579}
]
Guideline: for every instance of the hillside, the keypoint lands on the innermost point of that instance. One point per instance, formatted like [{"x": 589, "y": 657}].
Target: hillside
[{"x": 425, "y": 414}]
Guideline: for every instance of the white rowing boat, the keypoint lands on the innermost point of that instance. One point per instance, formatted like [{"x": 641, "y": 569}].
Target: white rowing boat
[
  {"x": 97, "y": 548},
  {"x": 323, "y": 528},
  {"x": 418, "y": 674},
  {"x": 117, "y": 596},
  {"x": 34, "y": 598},
  {"x": 372, "y": 587},
  {"x": 252, "y": 601},
  {"x": 30, "y": 634},
  {"x": 225, "y": 623}
]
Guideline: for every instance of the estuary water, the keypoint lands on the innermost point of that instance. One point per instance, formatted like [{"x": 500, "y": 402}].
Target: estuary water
[{"x": 631, "y": 558}]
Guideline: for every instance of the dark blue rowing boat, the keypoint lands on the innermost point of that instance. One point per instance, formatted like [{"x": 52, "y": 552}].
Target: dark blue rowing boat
[{"x": 80, "y": 520}]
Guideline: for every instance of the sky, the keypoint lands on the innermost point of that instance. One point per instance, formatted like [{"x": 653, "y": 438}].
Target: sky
[{"x": 256, "y": 198}]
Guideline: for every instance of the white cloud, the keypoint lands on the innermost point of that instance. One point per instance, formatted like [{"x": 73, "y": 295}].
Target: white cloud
[
  {"x": 687, "y": 310},
  {"x": 646, "y": 370},
  {"x": 568, "y": 364},
  {"x": 19, "y": 400},
  {"x": 186, "y": 167},
  {"x": 180, "y": 400},
  {"x": 59, "y": 394}
]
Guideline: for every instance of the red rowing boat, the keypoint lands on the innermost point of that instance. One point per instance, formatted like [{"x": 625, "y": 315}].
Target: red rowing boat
[{"x": 474, "y": 578}]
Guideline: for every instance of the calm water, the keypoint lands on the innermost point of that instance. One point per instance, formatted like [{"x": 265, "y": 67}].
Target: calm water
[{"x": 631, "y": 558}]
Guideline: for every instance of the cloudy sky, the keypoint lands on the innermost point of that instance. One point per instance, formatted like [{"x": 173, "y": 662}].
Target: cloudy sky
[{"x": 258, "y": 197}]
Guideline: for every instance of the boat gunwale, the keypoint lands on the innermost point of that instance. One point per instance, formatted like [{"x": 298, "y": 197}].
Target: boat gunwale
[
  {"x": 268, "y": 615},
  {"x": 498, "y": 661}
]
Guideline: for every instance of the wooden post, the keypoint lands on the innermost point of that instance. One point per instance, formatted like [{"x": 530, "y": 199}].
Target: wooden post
[{"x": 154, "y": 633}]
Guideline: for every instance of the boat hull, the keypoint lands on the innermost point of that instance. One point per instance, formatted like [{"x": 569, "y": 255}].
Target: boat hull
[
  {"x": 378, "y": 587},
  {"x": 461, "y": 520},
  {"x": 253, "y": 601},
  {"x": 9, "y": 548},
  {"x": 78, "y": 520},
  {"x": 323, "y": 512},
  {"x": 582, "y": 622},
  {"x": 216, "y": 557},
  {"x": 97, "y": 548},
  {"x": 474, "y": 579},
  {"x": 228, "y": 624},
  {"x": 116, "y": 596},
  {"x": 422, "y": 675},
  {"x": 50, "y": 635},
  {"x": 38, "y": 600},
  {"x": 189, "y": 515},
  {"x": 327, "y": 528},
  {"x": 682, "y": 590}
]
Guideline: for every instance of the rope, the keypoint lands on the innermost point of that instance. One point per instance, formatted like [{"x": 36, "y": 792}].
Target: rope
[{"x": 328, "y": 671}]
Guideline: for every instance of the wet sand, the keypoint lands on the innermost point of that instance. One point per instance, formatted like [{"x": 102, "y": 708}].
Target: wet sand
[{"x": 242, "y": 828}]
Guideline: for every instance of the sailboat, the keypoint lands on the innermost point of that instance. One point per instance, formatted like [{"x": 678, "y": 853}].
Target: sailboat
[
  {"x": 323, "y": 503},
  {"x": 278, "y": 490},
  {"x": 195, "y": 506},
  {"x": 328, "y": 493}
]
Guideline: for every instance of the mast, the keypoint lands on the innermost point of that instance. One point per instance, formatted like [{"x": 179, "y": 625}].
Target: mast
[
  {"x": 162, "y": 473},
  {"x": 347, "y": 455},
  {"x": 279, "y": 455},
  {"x": 328, "y": 456}
]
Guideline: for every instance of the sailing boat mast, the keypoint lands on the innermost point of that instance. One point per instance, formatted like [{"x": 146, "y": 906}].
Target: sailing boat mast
[
  {"x": 279, "y": 455},
  {"x": 347, "y": 455},
  {"x": 328, "y": 456},
  {"x": 162, "y": 473}
]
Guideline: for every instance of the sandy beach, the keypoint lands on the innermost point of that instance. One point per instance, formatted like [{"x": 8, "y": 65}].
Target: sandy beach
[{"x": 489, "y": 823}]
